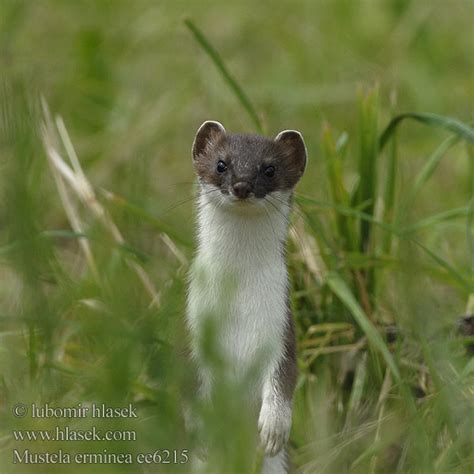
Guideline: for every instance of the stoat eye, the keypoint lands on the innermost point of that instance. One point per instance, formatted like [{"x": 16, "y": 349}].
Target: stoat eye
[
  {"x": 269, "y": 171},
  {"x": 221, "y": 166}
]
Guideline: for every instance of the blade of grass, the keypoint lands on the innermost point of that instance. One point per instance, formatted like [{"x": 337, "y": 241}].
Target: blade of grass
[
  {"x": 85, "y": 192},
  {"x": 470, "y": 220},
  {"x": 49, "y": 140},
  {"x": 357, "y": 391},
  {"x": 438, "y": 382},
  {"x": 389, "y": 192},
  {"x": 339, "y": 287},
  {"x": 12, "y": 246},
  {"x": 433, "y": 163},
  {"x": 329, "y": 255},
  {"x": 309, "y": 251},
  {"x": 435, "y": 219},
  {"x": 368, "y": 149},
  {"x": 66, "y": 234},
  {"x": 465, "y": 283},
  {"x": 425, "y": 174},
  {"x": 379, "y": 443},
  {"x": 390, "y": 181},
  {"x": 342, "y": 291},
  {"x": 386, "y": 386},
  {"x": 434, "y": 120},
  {"x": 146, "y": 216},
  {"x": 346, "y": 210},
  {"x": 329, "y": 327},
  {"x": 470, "y": 225},
  {"x": 333, "y": 160},
  {"x": 228, "y": 78}
]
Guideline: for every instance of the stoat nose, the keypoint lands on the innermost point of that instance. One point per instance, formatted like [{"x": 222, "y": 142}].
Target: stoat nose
[{"x": 241, "y": 189}]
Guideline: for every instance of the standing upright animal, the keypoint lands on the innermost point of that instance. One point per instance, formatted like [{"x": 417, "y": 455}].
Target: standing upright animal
[{"x": 244, "y": 201}]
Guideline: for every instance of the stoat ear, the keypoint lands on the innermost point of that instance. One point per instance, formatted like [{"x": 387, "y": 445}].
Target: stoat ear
[
  {"x": 293, "y": 142},
  {"x": 207, "y": 134}
]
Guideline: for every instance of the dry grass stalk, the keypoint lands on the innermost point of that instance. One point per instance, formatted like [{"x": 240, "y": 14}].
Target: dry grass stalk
[{"x": 78, "y": 182}]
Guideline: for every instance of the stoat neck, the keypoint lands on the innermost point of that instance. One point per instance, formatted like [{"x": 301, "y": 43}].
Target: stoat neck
[{"x": 241, "y": 238}]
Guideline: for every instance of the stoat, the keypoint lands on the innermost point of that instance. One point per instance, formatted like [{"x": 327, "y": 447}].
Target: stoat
[{"x": 239, "y": 278}]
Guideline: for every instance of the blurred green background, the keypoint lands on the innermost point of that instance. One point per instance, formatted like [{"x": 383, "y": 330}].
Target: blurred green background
[{"x": 132, "y": 86}]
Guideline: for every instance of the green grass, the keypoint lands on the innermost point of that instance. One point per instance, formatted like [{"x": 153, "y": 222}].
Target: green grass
[{"x": 96, "y": 229}]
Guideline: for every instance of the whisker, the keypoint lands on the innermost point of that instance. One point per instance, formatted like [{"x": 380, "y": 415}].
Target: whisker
[
  {"x": 289, "y": 206},
  {"x": 296, "y": 231},
  {"x": 302, "y": 194},
  {"x": 181, "y": 183},
  {"x": 286, "y": 219},
  {"x": 305, "y": 219},
  {"x": 267, "y": 199},
  {"x": 270, "y": 220},
  {"x": 220, "y": 203},
  {"x": 185, "y": 201}
]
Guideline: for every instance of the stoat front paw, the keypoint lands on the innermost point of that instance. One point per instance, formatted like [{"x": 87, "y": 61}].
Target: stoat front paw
[{"x": 274, "y": 424}]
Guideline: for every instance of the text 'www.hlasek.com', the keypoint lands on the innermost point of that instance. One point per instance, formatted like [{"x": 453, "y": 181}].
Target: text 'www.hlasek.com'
[{"x": 67, "y": 434}]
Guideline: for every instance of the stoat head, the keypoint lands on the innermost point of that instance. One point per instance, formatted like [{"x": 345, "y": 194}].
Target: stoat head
[{"x": 246, "y": 170}]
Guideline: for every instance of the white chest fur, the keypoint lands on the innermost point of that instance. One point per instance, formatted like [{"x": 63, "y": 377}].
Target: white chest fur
[{"x": 239, "y": 282}]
